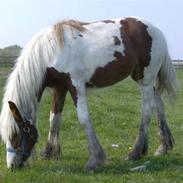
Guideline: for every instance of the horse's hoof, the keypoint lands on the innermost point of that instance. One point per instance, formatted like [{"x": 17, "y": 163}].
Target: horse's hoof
[
  {"x": 93, "y": 165},
  {"x": 44, "y": 155},
  {"x": 133, "y": 155},
  {"x": 51, "y": 151},
  {"x": 162, "y": 150},
  {"x": 95, "y": 162}
]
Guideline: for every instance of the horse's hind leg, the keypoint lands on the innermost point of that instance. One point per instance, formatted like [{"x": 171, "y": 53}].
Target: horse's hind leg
[
  {"x": 141, "y": 144},
  {"x": 167, "y": 140},
  {"x": 52, "y": 147},
  {"x": 96, "y": 153}
]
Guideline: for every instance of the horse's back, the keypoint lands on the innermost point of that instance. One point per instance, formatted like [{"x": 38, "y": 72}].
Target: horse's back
[{"x": 106, "y": 52}]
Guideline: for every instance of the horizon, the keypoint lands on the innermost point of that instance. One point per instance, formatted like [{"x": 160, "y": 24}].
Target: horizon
[{"x": 20, "y": 21}]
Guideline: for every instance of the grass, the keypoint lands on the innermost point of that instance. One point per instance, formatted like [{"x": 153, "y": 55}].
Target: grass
[{"x": 116, "y": 114}]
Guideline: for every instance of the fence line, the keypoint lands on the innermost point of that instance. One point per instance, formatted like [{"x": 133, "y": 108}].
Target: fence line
[
  {"x": 8, "y": 61},
  {"x": 178, "y": 64}
]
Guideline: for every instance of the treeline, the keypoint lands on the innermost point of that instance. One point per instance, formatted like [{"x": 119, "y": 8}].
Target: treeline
[
  {"x": 8, "y": 55},
  {"x": 13, "y": 50}
]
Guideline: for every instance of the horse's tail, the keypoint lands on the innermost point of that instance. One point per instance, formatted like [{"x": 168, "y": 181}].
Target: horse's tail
[{"x": 167, "y": 77}]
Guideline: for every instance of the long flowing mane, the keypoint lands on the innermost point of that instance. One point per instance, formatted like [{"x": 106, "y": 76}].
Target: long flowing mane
[
  {"x": 59, "y": 28},
  {"x": 26, "y": 79}
]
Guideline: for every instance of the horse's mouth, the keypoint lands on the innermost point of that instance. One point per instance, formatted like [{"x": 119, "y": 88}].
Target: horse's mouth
[{"x": 21, "y": 165}]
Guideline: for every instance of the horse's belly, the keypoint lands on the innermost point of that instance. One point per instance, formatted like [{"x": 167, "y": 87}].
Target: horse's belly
[{"x": 111, "y": 73}]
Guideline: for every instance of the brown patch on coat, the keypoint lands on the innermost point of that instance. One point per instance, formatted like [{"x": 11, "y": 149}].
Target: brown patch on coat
[
  {"x": 58, "y": 100},
  {"x": 135, "y": 31},
  {"x": 62, "y": 83},
  {"x": 116, "y": 40},
  {"x": 59, "y": 29},
  {"x": 15, "y": 140},
  {"x": 136, "y": 56},
  {"x": 113, "y": 72}
]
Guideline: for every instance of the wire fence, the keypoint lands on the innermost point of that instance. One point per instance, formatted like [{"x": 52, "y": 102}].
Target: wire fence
[
  {"x": 178, "y": 64},
  {"x": 7, "y": 62}
]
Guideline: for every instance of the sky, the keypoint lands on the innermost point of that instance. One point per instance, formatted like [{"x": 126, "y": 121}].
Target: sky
[{"x": 20, "y": 20}]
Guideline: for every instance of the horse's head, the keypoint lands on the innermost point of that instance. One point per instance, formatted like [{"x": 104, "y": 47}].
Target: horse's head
[{"x": 22, "y": 142}]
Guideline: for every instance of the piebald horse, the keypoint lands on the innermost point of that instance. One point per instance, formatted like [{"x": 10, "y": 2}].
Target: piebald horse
[{"x": 72, "y": 56}]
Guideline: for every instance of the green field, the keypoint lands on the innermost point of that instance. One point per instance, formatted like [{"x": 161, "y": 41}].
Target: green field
[{"x": 116, "y": 114}]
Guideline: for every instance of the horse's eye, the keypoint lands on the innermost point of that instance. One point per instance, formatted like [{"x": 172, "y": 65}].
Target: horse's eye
[{"x": 26, "y": 129}]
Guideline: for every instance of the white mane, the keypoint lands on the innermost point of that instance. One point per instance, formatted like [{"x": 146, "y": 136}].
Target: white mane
[{"x": 26, "y": 79}]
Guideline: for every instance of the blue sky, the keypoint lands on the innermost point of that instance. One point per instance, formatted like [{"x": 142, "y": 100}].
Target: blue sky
[{"x": 21, "y": 19}]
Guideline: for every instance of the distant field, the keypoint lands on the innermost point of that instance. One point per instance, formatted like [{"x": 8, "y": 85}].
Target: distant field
[{"x": 116, "y": 114}]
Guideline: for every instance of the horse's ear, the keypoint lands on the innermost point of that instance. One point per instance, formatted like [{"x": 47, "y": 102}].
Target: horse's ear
[{"x": 15, "y": 112}]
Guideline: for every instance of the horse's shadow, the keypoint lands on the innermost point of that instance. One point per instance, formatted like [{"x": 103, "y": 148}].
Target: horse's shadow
[
  {"x": 155, "y": 164},
  {"x": 119, "y": 167}
]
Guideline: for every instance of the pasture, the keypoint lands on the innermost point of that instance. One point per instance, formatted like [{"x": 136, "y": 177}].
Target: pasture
[{"x": 116, "y": 113}]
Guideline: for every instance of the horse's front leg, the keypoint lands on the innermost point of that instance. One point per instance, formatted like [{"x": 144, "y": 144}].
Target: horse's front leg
[
  {"x": 141, "y": 144},
  {"x": 52, "y": 147},
  {"x": 96, "y": 153}
]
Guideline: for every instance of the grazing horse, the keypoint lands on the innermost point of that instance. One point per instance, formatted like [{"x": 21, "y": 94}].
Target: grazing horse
[{"x": 72, "y": 56}]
